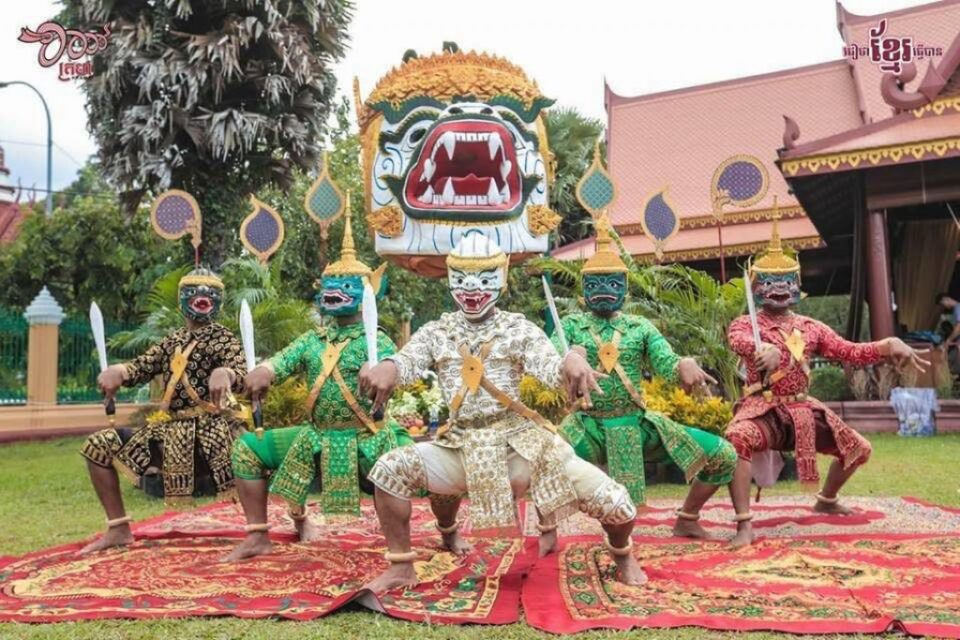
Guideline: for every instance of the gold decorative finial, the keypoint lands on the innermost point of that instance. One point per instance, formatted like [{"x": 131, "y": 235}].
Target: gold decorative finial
[
  {"x": 605, "y": 259},
  {"x": 774, "y": 260},
  {"x": 357, "y": 100},
  {"x": 348, "y": 264}
]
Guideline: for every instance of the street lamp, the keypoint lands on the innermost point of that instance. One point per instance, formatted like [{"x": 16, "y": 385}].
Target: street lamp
[{"x": 49, "y": 140}]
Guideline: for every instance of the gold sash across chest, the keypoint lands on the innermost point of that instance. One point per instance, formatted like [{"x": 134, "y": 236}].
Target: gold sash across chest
[
  {"x": 609, "y": 356},
  {"x": 331, "y": 359},
  {"x": 472, "y": 372}
]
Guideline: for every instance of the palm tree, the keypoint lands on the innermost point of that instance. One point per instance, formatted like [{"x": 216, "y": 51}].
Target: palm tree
[{"x": 218, "y": 98}]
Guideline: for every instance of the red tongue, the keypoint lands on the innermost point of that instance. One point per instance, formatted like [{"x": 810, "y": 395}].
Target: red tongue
[{"x": 471, "y": 185}]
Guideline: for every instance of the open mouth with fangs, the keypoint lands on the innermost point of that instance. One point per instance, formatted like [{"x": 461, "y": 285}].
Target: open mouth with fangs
[
  {"x": 201, "y": 304},
  {"x": 602, "y": 297},
  {"x": 466, "y": 164},
  {"x": 473, "y": 301},
  {"x": 334, "y": 299}
]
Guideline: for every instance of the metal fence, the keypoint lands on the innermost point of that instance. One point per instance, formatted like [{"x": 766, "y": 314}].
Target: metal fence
[
  {"x": 78, "y": 366},
  {"x": 13, "y": 357}
]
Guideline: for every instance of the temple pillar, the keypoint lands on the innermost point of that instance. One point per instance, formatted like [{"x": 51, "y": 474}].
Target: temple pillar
[
  {"x": 44, "y": 316},
  {"x": 879, "y": 279}
]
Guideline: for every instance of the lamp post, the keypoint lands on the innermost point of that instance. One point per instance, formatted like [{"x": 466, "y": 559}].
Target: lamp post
[{"x": 49, "y": 208}]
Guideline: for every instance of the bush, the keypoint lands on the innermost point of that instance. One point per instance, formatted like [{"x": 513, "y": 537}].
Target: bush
[{"x": 829, "y": 384}]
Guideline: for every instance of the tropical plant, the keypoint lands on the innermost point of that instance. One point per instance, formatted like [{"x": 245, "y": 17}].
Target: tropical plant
[
  {"x": 829, "y": 384},
  {"x": 572, "y": 139},
  {"x": 278, "y": 319},
  {"x": 218, "y": 98}
]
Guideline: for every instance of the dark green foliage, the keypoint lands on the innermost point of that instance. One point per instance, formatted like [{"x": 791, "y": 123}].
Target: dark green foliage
[{"x": 829, "y": 384}]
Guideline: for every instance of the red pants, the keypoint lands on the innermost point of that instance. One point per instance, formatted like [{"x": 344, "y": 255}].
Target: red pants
[{"x": 774, "y": 430}]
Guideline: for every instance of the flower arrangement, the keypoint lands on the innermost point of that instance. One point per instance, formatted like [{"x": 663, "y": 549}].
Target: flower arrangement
[
  {"x": 418, "y": 406},
  {"x": 710, "y": 414}
]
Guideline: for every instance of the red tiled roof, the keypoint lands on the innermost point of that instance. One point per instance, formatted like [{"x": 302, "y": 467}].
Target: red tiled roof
[
  {"x": 11, "y": 216},
  {"x": 936, "y": 24}
]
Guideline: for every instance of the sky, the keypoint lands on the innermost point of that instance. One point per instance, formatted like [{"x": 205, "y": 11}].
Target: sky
[{"x": 568, "y": 46}]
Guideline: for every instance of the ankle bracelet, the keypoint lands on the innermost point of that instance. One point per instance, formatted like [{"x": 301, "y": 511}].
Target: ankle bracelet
[
  {"x": 116, "y": 522},
  {"x": 825, "y": 500},
  {"x": 743, "y": 517},
  {"x": 259, "y": 527},
  {"x": 448, "y": 530},
  {"x": 683, "y": 515},
  {"x": 395, "y": 557},
  {"x": 619, "y": 551}
]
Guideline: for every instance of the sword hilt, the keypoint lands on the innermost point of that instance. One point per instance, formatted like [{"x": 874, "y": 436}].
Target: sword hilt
[
  {"x": 110, "y": 408},
  {"x": 258, "y": 419}
]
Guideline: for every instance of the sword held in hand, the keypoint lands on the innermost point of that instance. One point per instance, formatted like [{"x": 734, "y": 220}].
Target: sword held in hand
[
  {"x": 368, "y": 311},
  {"x": 99, "y": 338},
  {"x": 246, "y": 337},
  {"x": 552, "y": 305}
]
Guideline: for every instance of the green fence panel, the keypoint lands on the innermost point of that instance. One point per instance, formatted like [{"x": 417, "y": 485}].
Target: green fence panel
[
  {"x": 13, "y": 357},
  {"x": 79, "y": 365}
]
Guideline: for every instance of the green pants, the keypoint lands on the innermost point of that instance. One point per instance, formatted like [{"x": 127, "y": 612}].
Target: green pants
[
  {"x": 624, "y": 443},
  {"x": 346, "y": 455}
]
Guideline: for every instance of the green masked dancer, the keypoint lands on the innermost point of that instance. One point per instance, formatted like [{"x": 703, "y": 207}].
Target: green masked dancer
[
  {"x": 343, "y": 441},
  {"x": 618, "y": 430}
]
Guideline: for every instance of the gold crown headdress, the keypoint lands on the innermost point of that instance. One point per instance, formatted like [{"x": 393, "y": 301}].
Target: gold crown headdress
[
  {"x": 201, "y": 277},
  {"x": 476, "y": 252},
  {"x": 350, "y": 265},
  {"x": 447, "y": 75},
  {"x": 774, "y": 260},
  {"x": 605, "y": 259}
]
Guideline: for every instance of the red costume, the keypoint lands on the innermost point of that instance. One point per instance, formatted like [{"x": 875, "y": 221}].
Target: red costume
[{"x": 783, "y": 416}]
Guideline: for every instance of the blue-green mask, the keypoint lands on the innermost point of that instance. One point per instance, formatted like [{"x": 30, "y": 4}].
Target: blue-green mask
[
  {"x": 604, "y": 292},
  {"x": 340, "y": 295}
]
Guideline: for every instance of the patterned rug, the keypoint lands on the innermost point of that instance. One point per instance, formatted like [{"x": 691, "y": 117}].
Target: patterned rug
[
  {"x": 179, "y": 577},
  {"x": 894, "y": 564},
  {"x": 811, "y": 584}
]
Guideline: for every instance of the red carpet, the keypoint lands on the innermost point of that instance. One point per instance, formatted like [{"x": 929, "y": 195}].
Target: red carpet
[
  {"x": 895, "y": 564},
  {"x": 816, "y": 584},
  {"x": 170, "y": 578}
]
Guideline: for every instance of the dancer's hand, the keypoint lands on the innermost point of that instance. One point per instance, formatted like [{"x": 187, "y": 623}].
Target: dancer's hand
[
  {"x": 110, "y": 380},
  {"x": 906, "y": 356},
  {"x": 767, "y": 358},
  {"x": 692, "y": 377},
  {"x": 258, "y": 381},
  {"x": 579, "y": 379},
  {"x": 221, "y": 380},
  {"x": 378, "y": 383}
]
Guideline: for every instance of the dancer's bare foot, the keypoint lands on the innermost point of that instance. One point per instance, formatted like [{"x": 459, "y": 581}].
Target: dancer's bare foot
[
  {"x": 547, "y": 543},
  {"x": 399, "y": 574},
  {"x": 118, "y": 536},
  {"x": 683, "y": 528},
  {"x": 629, "y": 571},
  {"x": 456, "y": 543},
  {"x": 255, "y": 544},
  {"x": 744, "y": 536},
  {"x": 307, "y": 531},
  {"x": 835, "y": 508}
]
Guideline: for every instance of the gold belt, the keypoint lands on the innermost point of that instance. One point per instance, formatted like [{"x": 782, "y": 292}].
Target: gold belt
[{"x": 770, "y": 398}]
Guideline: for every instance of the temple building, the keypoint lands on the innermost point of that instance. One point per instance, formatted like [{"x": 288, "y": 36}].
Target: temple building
[
  {"x": 862, "y": 155},
  {"x": 11, "y": 213}
]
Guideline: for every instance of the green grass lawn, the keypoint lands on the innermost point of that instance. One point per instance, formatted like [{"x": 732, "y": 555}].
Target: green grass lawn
[{"x": 45, "y": 500}]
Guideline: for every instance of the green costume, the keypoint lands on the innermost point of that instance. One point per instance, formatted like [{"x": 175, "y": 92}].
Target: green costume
[
  {"x": 618, "y": 427},
  {"x": 340, "y": 433}
]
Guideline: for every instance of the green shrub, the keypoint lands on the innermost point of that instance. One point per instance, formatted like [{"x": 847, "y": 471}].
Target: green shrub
[{"x": 829, "y": 384}]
